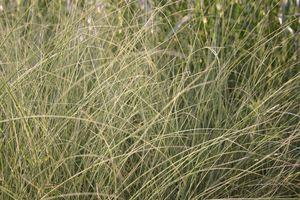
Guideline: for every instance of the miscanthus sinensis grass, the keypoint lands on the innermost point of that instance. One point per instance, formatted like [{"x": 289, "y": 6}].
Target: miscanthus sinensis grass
[{"x": 149, "y": 100}]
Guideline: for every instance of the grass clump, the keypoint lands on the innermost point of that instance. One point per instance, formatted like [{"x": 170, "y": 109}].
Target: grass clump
[{"x": 149, "y": 100}]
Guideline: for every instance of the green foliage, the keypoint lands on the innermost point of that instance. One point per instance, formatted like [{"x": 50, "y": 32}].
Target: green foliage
[{"x": 149, "y": 100}]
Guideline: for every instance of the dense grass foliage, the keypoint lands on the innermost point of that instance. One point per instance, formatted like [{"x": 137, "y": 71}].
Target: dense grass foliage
[{"x": 149, "y": 99}]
